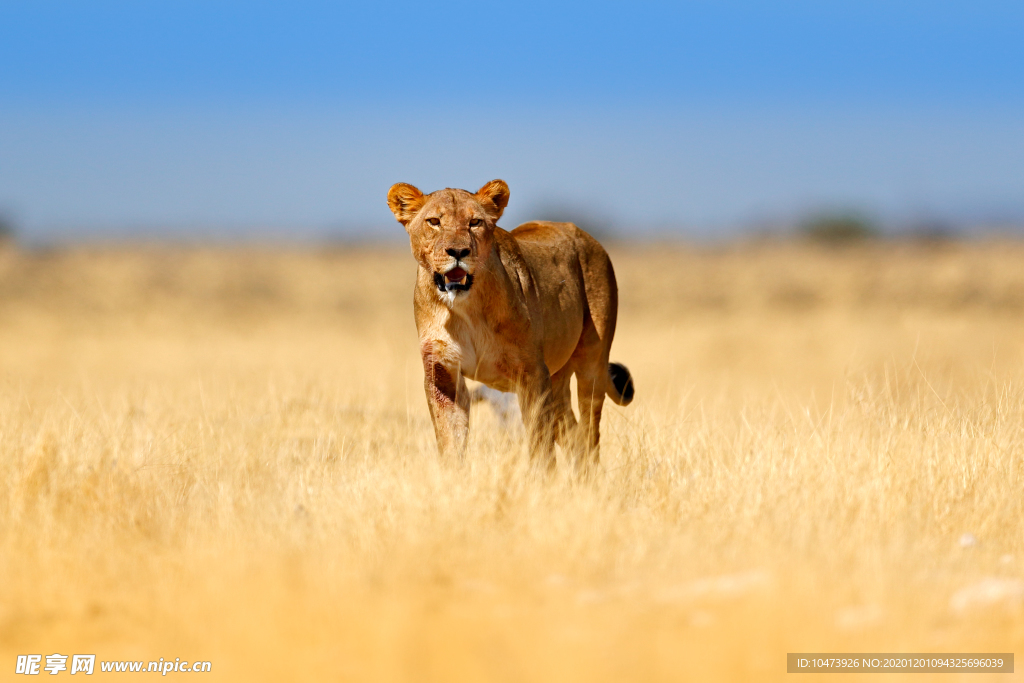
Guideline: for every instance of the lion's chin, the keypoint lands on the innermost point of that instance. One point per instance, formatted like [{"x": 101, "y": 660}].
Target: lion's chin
[{"x": 455, "y": 280}]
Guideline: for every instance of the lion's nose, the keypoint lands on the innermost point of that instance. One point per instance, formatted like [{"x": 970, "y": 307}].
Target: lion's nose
[{"x": 457, "y": 253}]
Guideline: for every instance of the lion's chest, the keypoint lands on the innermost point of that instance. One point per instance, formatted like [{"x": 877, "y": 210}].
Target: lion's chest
[{"x": 487, "y": 357}]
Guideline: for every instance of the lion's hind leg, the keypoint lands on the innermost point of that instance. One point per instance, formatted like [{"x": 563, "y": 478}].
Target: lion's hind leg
[
  {"x": 564, "y": 419},
  {"x": 590, "y": 364},
  {"x": 590, "y": 387}
]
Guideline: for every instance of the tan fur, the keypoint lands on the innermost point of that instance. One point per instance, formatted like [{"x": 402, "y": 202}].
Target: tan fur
[{"x": 540, "y": 307}]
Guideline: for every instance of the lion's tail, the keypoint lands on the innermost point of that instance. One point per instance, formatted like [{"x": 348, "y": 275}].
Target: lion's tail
[{"x": 620, "y": 388}]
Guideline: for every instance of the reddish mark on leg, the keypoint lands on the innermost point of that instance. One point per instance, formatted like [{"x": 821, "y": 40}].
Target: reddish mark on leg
[{"x": 442, "y": 384}]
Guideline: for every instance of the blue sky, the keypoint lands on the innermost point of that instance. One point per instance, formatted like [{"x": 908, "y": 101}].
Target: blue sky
[{"x": 294, "y": 118}]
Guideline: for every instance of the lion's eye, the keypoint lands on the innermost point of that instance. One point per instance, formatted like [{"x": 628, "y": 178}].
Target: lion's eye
[
  {"x": 434, "y": 221},
  {"x": 475, "y": 222}
]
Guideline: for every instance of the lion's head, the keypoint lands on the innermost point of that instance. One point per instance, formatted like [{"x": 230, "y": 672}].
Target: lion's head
[{"x": 451, "y": 231}]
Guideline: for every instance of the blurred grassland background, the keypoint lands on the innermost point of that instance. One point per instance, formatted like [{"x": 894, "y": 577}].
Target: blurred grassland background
[{"x": 224, "y": 454}]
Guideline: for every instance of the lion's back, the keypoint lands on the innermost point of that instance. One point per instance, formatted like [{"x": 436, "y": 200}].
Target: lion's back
[
  {"x": 552, "y": 235},
  {"x": 545, "y": 243}
]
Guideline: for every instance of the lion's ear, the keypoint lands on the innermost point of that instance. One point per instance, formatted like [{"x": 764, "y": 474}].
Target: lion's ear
[
  {"x": 495, "y": 192},
  {"x": 405, "y": 200}
]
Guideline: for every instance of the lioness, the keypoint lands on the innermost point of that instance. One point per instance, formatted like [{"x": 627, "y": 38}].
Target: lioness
[{"x": 518, "y": 311}]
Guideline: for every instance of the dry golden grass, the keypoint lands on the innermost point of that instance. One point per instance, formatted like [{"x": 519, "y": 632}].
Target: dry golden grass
[{"x": 226, "y": 455}]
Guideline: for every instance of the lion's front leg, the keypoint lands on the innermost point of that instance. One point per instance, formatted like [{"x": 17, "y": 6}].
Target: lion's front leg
[
  {"x": 538, "y": 408},
  {"x": 448, "y": 400}
]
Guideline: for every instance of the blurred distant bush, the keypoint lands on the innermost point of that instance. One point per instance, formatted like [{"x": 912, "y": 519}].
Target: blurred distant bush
[
  {"x": 838, "y": 227},
  {"x": 931, "y": 231},
  {"x": 7, "y": 233}
]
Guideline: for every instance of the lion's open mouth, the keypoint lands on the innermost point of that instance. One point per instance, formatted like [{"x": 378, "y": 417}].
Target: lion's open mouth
[{"x": 455, "y": 280}]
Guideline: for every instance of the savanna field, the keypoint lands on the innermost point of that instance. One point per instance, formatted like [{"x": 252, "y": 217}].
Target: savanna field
[{"x": 225, "y": 454}]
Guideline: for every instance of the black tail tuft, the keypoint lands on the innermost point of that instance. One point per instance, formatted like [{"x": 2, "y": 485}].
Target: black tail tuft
[{"x": 622, "y": 382}]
